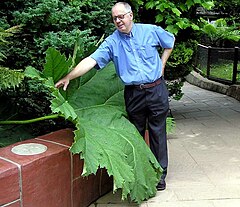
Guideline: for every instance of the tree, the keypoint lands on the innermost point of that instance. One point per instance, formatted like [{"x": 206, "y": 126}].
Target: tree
[
  {"x": 175, "y": 16},
  {"x": 228, "y": 8},
  {"x": 54, "y": 23}
]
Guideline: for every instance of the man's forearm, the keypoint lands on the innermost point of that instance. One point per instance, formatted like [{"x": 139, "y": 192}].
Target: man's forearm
[
  {"x": 165, "y": 55},
  {"x": 83, "y": 67}
]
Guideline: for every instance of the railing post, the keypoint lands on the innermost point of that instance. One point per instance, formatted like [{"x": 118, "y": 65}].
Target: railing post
[
  {"x": 235, "y": 63},
  {"x": 208, "y": 61}
]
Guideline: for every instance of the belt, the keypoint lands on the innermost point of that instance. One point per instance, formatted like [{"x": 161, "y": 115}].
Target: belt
[{"x": 146, "y": 85}]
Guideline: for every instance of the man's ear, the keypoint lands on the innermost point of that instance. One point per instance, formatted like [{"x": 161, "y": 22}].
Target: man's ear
[{"x": 131, "y": 15}]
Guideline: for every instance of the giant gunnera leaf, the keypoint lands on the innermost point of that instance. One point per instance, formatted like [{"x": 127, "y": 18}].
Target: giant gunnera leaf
[{"x": 104, "y": 137}]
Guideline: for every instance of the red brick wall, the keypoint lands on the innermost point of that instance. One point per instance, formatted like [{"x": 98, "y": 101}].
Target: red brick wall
[{"x": 50, "y": 179}]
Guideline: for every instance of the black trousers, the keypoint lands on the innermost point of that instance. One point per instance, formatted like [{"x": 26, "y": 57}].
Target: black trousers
[{"x": 148, "y": 109}]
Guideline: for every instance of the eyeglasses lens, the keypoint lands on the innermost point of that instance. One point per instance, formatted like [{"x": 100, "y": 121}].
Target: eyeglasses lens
[{"x": 120, "y": 17}]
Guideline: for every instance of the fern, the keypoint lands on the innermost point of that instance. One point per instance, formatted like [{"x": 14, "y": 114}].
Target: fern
[
  {"x": 4, "y": 34},
  {"x": 10, "y": 78}
]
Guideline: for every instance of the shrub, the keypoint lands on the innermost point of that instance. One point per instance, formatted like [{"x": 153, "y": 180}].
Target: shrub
[{"x": 55, "y": 23}]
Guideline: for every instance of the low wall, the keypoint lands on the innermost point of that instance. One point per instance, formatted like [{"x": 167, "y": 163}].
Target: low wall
[
  {"x": 48, "y": 179},
  {"x": 197, "y": 80}
]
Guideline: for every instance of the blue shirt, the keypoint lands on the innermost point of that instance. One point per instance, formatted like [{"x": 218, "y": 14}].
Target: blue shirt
[{"x": 135, "y": 56}]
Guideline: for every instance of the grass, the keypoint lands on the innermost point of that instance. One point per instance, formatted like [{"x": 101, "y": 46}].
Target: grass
[{"x": 223, "y": 70}]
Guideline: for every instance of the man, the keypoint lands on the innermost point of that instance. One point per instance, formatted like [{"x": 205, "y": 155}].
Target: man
[{"x": 133, "y": 50}]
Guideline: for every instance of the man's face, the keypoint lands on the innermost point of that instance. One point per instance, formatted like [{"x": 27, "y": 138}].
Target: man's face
[{"x": 122, "y": 19}]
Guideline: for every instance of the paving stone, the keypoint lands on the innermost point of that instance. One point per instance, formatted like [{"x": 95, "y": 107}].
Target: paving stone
[
  {"x": 227, "y": 203},
  {"x": 183, "y": 204}
]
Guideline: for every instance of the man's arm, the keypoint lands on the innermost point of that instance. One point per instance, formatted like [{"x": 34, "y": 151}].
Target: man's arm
[
  {"x": 165, "y": 55},
  {"x": 83, "y": 67}
]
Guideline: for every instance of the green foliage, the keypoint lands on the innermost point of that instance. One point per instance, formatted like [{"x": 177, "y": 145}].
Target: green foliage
[
  {"x": 52, "y": 23},
  {"x": 177, "y": 15},
  {"x": 104, "y": 137},
  {"x": 26, "y": 98},
  {"x": 4, "y": 34},
  {"x": 218, "y": 31},
  {"x": 229, "y": 8},
  {"x": 171, "y": 124},
  {"x": 63, "y": 40},
  {"x": 11, "y": 134},
  {"x": 221, "y": 69},
  {"x": 8, "y": 33},
  {"x": 178, "y": 66},
  {"x": 30, "y": 97},
  {"x": 181, "y": 55},
  {"x": 10, "y": 78},
  {"x": 56, "y": 64},
  {"x": 29, "y": 100},
  {"x": 175, "y": 91}
]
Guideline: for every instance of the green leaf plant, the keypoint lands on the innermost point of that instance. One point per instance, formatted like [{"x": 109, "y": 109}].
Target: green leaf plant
[
  {"x": 220, "y": 30},
  {"x": 177, "y": 15},
  {"x": 4, "y": 34},
  {"x": 104, "y": 137}
]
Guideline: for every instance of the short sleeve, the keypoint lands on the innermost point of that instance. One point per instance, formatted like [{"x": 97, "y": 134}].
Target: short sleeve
[
  {"x": 102, "y": 55},
  {"x": 165, "y": 38}
]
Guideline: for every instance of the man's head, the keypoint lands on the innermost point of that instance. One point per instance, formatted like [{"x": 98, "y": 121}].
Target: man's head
[{"x": 122, "y": 17}]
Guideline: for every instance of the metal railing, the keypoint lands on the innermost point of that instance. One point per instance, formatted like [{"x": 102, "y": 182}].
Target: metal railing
[{"x": 218, "y": 64}]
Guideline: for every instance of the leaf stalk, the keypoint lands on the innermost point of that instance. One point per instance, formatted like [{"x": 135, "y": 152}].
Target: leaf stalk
[{"x": 29, "y": 121}]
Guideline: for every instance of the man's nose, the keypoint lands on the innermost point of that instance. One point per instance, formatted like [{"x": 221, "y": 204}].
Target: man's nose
[{"x": 117, "y": 20}]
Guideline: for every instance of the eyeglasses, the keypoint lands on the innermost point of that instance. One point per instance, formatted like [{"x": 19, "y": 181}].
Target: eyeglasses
[{"x": 120, "y": 17}]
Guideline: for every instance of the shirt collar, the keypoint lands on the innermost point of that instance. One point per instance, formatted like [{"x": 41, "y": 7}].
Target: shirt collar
[{"x": 132, "y": 33}]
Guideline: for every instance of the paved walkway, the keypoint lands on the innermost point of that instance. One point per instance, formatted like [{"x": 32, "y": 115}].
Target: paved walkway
[{"x": 204, "y": 154}]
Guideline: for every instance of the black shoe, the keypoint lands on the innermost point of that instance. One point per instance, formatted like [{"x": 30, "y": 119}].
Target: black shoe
[{"x": 161, "y": 185}]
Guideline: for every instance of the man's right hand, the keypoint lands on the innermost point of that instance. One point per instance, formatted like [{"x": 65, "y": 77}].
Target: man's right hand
[
  {"x": 62, "y": 82},
  {"x": 84, "y": 66}
]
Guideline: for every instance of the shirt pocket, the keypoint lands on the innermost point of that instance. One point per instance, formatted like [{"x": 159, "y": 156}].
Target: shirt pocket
[{"x": 147, "y": 52}]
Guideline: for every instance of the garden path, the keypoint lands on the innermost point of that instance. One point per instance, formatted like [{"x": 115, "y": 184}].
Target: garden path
[{"x": 204, "y": 154}]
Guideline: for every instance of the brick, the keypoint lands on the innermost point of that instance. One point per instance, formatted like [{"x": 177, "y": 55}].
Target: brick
[
  {"x": 9, "y": 179},
  {"x": 86, "y": 190},
  {"x": 46, "y": 177}
]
